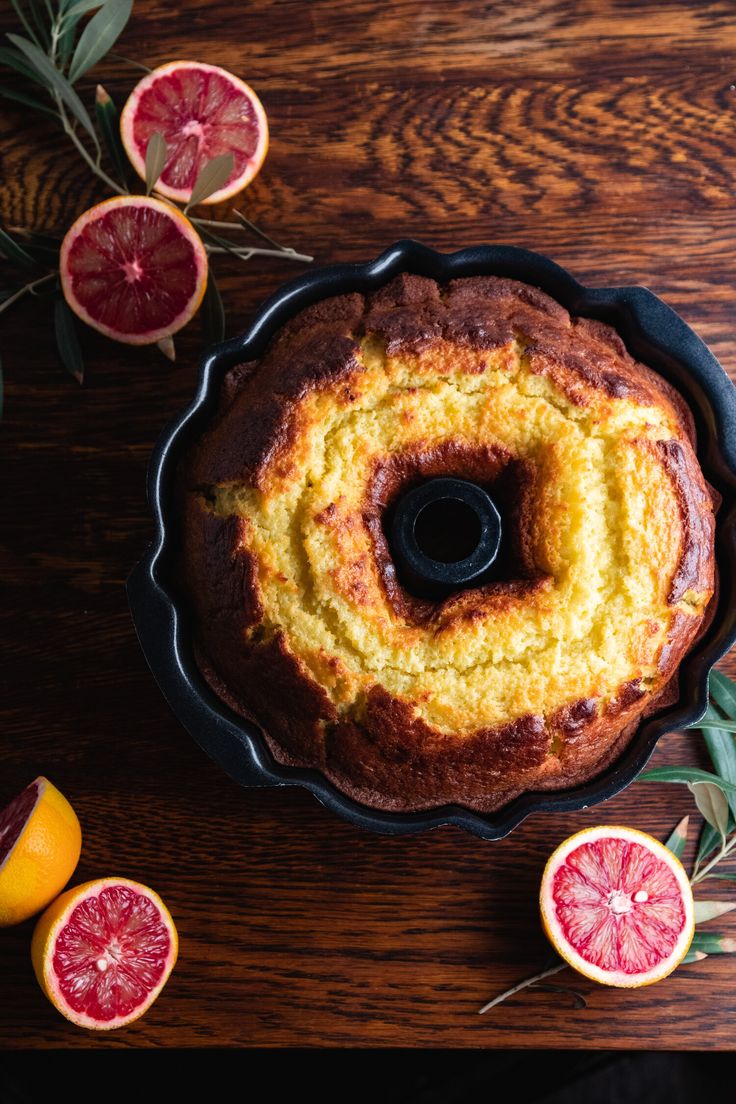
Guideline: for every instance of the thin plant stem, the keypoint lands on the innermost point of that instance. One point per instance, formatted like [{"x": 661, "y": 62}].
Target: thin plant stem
[
  {"x": 522, "y": 985},
  {"x": 129, "y": 61},
  {"x": 215, "y": 225},
  {"x": 245, "y": 252},
  {"x": 27, "y": 289},
  {"x": 726, "y": 850},
  {"x": 93, "y": 164}
]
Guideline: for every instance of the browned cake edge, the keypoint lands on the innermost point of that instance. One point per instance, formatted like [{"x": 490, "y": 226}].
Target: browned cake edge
[{"x": 392, "y": 759}]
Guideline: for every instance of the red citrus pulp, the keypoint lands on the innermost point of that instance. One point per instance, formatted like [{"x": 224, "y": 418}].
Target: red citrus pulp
[
  {"x": 618, "y": 906},
  {"x": 202, "y": 111},
  {"x": 103, "y": 951},
  {"x": 134, "y": 268}
]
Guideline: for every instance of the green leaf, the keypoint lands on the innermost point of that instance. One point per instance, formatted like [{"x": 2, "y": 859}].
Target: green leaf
[
  {"x": 14, "y": 252},
  {"x": 678, "y": 839},
  {"x": 27, "y": 101},
  {"x": 109, "y": 124},
  {"x": 709, "y": 910},
  {"x": 229, "y": 247},
  {"x": 257, "y": 231},
  {"x": 42, "y": 19},
  {"x": 723, "y": 692},
  {"x": 156, "y": 154},
  {"x": 712, "y": 803},
  {"x": 15, "y": 60},
  {"x": 712, "y": 943},
  {"x": 722, "y": 750},
  {"x": 166, "y": 346},
  {"x": 81, "y": 8},
  {"x": 67, "y": 340},
  {"x": 42, "y": 248},
  {"x": 710, "y": 721},
  {"x": 710, "y": 838},
  {"x": 67, "y": 37},
  {"x": 57, "y": 81},
  {"x": 131, "y": 62},
  {"x": 685, "y": 774},
  {"x": 28, "y": 28},
  {"x": 726, "y": 876},
  {"x": 693, "y": 956},
  {"x": 213, "y": 312},
  {"x": 102, "y": 31},
  {"x": 212, "y": 176}
]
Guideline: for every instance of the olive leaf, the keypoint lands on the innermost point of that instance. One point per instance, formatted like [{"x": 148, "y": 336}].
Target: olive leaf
[
  {"x": 34, "y": 34},
  {"x": 67, "y": 340},
  {"x": 109, "y": 123},
  {"x": 693, "y": 956},
  {"x": 710, "y": 838},
  {"x": 167, "y": 347},
  {"x": 43, "y": 248},
  {"x": 723, "y": 692},
  {"x": 712, "y": 803},
  {"x": 14, "y": 252},
  {"x": 56, "y": 81},
  {"x": 712, "y": 943},
  {"x": 724, "y": 875},
  {"x": 156, "y": 154},
  {"x": 713, "y": 720},
  {"x": 678, "y": 839},
  {"x": 709, "y": 910},
  {"x": 42, "y": 20},
  {"x": 27, "y": 101},
  {"x": 257, "y": 231},
  {"x": 102, "y": 31},
  {"x": 213, "y": 312},
  {"x": 14, "y": 59},
  {"x": 686, "y": 774},
  {"x": 722, "y": 751},
  {"x": 76, "y": 11},
  {"x": 212, "y": 176}
]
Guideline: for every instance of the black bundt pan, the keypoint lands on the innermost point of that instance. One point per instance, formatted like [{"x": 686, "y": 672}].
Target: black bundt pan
[{"x": 654, "y": 334}]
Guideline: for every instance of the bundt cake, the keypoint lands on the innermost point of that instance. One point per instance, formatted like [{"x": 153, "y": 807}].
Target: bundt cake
[{"x": 536, "y": 678}]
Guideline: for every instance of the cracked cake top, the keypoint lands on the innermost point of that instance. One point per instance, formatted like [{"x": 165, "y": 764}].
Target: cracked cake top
[{"x": 535, "y": 680}]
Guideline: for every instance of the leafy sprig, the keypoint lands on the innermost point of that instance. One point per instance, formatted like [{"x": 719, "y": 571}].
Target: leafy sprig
[
  {"x": 58, "y": 46},
  {"x": 714, "y": 794}
]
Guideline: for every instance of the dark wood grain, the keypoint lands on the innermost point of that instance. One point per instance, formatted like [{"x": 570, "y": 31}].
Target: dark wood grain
[{"x": 598, "y": 133}]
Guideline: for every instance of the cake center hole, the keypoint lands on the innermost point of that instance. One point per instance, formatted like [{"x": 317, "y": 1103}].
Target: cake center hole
[{"x": 447, "y": 530}]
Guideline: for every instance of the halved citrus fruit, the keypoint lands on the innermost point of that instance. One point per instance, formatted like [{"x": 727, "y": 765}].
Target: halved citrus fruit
[
  {"x": 40, "y": 841},
  {"x": 617, "y": 906},
  {"x": 202, "y": 111},
  {"x": 134, "y": 268},
  {"x": 103, "y": 952}
]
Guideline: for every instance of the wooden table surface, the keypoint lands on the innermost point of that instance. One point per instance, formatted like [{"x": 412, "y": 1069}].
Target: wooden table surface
[{"x": 600, "y": 133}]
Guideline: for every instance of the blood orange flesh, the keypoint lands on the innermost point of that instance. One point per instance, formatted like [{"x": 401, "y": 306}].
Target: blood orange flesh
[
  {"x": 202, "y": 111},
  {"x": 617, "y": 905},
  {"x": 103, "y": 952},
  {"x": 14, "y": 818},
  {"x": 134, "y": 268}
]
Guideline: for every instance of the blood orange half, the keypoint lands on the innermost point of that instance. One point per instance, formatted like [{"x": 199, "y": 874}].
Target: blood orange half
[
  {"x": 103, "y": 952},
  {"x": 134, "y": 268},
  {"x": 40, "y": 841},
  {"x": 618, "y": 906},
  {"x": 202, "y": 111}
]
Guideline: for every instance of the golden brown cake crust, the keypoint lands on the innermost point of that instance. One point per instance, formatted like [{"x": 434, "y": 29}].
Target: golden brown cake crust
[{"x": 334, "y": 707}]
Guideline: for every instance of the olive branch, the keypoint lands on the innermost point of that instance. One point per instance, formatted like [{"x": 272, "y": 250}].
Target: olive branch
[
  {"x": 57, "y": 48},
  {"x": 714, "y": 794}
]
